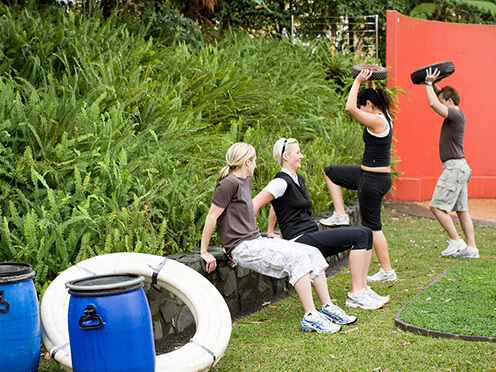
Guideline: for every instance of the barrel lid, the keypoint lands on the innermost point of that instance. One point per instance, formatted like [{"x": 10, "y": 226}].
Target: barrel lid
[
  {"x": 15, "y": 271},
  {"x": 105, "y": 284}
]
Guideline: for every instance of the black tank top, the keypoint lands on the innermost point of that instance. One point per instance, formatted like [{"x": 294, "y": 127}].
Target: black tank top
[{"x": 377, "y": 151}]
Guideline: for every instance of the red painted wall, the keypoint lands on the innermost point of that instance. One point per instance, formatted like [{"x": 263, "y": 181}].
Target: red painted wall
[{"x": 413, "y": 43}]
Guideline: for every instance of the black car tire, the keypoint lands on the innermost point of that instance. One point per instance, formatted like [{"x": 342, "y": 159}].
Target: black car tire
[
  {"x": 446, "y": 68},
  {"x": 378, "y": 72}
]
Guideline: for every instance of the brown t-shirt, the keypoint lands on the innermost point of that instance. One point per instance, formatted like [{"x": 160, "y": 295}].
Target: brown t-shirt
[
  {"x": 451, "y": 140},
  {"x": 237, "y": 222}
]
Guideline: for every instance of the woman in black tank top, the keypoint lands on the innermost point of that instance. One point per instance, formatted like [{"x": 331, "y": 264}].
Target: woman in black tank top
[{"x": 372, "y": 179}]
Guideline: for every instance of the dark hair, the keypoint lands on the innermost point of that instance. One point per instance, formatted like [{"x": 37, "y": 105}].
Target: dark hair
[
  {"x": 450, "y": 92},
  {"x": 378, "y": 97}
]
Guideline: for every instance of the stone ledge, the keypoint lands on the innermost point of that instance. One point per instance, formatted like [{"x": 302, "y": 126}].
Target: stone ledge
[{"x": 244, "y": 291}]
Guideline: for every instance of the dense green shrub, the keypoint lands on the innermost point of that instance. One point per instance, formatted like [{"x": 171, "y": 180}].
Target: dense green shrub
[{"x": 111, "y": 139}]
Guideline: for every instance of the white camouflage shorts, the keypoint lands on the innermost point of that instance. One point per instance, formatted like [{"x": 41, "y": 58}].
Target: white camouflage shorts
[
  {"x": 279, "y": 258},
  {"x": 451, "y": 192}
]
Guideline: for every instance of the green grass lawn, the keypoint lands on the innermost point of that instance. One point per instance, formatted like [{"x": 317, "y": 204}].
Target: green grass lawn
[
  {"x": 462, "y": 302},
  {"x": 271, "y": 340}
]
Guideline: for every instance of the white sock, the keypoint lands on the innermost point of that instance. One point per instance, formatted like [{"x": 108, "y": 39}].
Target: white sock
[
  {"x": 310, "y": 313},
  {"x": 357, "y": 293}
]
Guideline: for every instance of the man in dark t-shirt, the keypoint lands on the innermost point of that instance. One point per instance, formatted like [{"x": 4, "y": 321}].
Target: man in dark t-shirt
[{"x": 450, "y": 193}]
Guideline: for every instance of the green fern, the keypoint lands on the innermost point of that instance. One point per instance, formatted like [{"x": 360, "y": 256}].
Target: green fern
[
  {"x": 111, "y": 140},
  {"x": 424, "y": 11}
]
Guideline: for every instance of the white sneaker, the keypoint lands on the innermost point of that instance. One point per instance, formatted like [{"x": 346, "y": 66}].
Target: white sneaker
[
  {"x": 383, "y": 276},
  {"x": 363, "y": 300},
  {"x": 316, "y": 322},
  {"x": 371, "y": 293},
  {"x": 453, "y": 247},
  {"x": 469, "y": 252},
  {"x": 337, "y": 315},
  {"x": 336, "y": 220}
]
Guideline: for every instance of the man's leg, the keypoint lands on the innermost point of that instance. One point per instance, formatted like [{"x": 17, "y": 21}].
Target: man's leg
[
  {"x": 446, "y": 222},
  {"x": 467, "y": 227}
]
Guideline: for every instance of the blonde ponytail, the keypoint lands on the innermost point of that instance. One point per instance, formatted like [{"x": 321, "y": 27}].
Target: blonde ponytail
[{"x": 236, "y": 156}]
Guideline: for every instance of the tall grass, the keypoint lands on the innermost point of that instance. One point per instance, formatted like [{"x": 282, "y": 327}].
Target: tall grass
[{"x": 112, "y": 134}]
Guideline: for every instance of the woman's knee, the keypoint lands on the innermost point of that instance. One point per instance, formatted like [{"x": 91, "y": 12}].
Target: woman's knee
[
  {"x": 368, "y": 234},
  {"x": 364, "y": 238}
]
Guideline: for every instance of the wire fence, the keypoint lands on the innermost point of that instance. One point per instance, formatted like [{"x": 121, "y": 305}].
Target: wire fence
[{"x": 358, "y": 34}]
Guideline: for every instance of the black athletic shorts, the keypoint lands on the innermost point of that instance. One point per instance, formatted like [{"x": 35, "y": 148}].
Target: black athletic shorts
[{"x": 371, "y": 187}]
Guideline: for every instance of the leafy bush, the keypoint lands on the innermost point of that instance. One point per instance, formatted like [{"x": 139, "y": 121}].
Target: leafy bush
[
  {"x": 111, "y": 139},
  {"x": 461, "y": 11}
]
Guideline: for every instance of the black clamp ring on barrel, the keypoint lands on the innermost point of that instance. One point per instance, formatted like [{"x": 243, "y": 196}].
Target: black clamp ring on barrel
[
  {"x": 90, "y": 313},
  {"x": 4, "y": 303}
]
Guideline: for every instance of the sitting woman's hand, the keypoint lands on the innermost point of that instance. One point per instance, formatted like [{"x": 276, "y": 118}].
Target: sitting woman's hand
[
  {"x": 210, "y": 262},
  {"x": 272, "y": 235}
]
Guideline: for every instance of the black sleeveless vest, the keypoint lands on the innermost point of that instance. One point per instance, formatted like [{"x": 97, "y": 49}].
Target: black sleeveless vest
[{"x": 294, "y": 208}]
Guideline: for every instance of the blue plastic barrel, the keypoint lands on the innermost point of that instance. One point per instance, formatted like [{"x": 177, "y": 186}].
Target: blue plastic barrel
[
  {"x": 20, "y": 338},
  {"x": 110, "y": 327}
]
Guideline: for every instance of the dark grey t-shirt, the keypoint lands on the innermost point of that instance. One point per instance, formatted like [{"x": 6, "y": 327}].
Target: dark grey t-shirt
[
  {"x": 237, "y": 222},
  {"x": 452, "y": 131}
]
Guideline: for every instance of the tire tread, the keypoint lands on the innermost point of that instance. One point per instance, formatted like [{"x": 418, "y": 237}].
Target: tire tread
[
  {"x": 378, "y": 72},
  {"x": 446, "y": 68}
]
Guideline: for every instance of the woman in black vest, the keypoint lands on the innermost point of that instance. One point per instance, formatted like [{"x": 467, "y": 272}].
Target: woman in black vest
[
  {"x": 372, "y": 178},
  {"x": 292, "y": 208}
]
